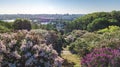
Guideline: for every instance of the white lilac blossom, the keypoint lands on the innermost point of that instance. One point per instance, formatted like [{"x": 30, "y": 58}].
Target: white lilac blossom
[
  {"x": 2, "y": 47},
  {"x": 36, "y": 47},
  {"x": 50, "y": 46},
  {"x": 36, "y": 55},
  {"x": 16, "y": 55},
  {"x": 12, "y": 43},
  {"x": 58, "y": 61},
  {"x": 24, "y": 49}
]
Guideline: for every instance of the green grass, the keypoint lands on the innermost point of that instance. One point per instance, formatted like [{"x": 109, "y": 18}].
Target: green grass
[{"x": 71, "y": 58}]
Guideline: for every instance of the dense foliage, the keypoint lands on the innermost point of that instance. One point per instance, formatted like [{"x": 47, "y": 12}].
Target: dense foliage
[
  {"x": 97, "y": 24},
  {"x": 98, "y": 48},
  {"x": 88, "y": 41},
  {"x": 5, "y": 26},
  {"x": 35, "y": 25},
  {"x": 109, "y": 29},
  {"x": 27, "y": 49},
  {"x": 104, "y": 57},
  {"x": 21, "y": 24},
  {"x": 48, "y": 26},
  {"x": 84, "y": 44},
  {"x": 95, "y": 21},
  {"x": 56, "y": 40}
]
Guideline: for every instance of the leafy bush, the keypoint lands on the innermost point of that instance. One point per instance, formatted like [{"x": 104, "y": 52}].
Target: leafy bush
[
  {"x": 84, "y": 44},
  {"x": 21, "y": 24},
  {"x": 35, "y": 26},
  {"x": 6, "y": 24},
  {"x": 89, "y": 41},
  {"x": 71, "y": 37},
  {"x": 52, "y": 37},
  {"x": 108, "y": 41},
  {"x": 27, "y": 49},
  {"x": 56, "y": 40},
  {"x": 97, "y": 24},
  {"x": 5, "y": 27},
  {"x": 80, "y": 47},
  {"x": 109, "y": 29},
  {"x": 103, "y": 57}
]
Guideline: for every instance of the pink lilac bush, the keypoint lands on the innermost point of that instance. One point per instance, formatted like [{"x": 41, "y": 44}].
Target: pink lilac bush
[
  {"x": 103, "y": 57},
  {"x": 25, "y": 49}
]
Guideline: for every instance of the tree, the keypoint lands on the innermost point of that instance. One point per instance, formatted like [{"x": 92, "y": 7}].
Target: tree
[
  {"x": 5, "y": 26},
  {"x": 115, "y": 15},
  {"x": 21, "y": 24},
  {"x": 85, "y": 22},
  {"x": 97, "y": 24}
]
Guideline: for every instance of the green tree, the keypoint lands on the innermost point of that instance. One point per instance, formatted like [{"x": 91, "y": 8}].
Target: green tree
[
  {"x": 97, "y": 24},
  {"x": 115, "y": 15},
  {"x": 21, "y": 24},
  {"x": 81, "y": 23},
  {"x": 86, "y": 21},
  {"x": 5, "y": 26}
]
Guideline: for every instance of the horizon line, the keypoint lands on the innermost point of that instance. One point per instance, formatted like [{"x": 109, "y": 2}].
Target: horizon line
[
  {"x": 54, "y": 13},
  {"x": 43, "y": 13}
]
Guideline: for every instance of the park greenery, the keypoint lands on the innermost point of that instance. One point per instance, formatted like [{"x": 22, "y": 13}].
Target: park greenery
[
  {"x": 95, "y": 21},
  {"x": 94, "y": 38}
]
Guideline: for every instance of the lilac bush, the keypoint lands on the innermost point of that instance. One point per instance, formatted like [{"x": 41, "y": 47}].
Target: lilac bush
[
  {"x": 27, "y": 49},
  {"x": 103, "y": 57}
]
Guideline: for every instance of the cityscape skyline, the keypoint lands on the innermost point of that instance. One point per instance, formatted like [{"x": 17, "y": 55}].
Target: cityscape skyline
[{"x": 57, "y": 6}]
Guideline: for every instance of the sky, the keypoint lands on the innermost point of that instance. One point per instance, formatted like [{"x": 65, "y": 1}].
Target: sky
[{"x": 57, "y": 6}]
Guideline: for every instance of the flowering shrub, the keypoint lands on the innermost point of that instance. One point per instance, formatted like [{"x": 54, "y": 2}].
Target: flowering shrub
[
  {"x": 27, "y": 49},
  {"x": 84, "y": 44},
  {"x": 104, "y": 57}
]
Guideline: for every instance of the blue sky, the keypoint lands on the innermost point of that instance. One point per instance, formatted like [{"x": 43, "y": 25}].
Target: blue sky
[{"x": 57, "y": 6}]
